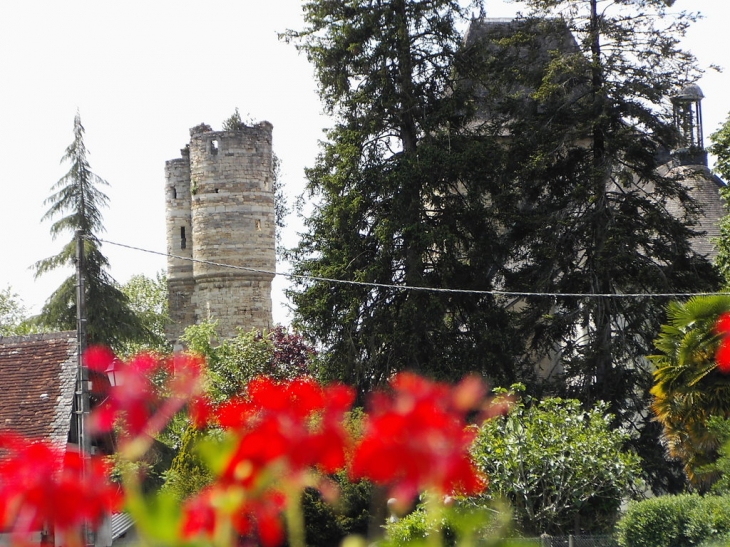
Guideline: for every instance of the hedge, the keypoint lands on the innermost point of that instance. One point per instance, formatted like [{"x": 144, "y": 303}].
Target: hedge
[{"x": 675, "y": 521}]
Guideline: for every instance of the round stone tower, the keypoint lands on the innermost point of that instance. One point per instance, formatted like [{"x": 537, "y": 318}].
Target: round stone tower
[
  {"x": 230, "y": 230},
  {"x": 180, "y": 283}
]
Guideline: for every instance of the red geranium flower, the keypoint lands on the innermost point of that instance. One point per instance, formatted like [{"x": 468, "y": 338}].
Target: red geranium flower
[
  {"x": 258, "y": 519},
  {"x": 41, "y": 485},
  {"x": 135, "y": 398},
  {"x": 295, "y": 424},
  {"x": 722, "y": 357},
  {"x": 416, "y": 438},
  {"x": 723, "y": 324}
]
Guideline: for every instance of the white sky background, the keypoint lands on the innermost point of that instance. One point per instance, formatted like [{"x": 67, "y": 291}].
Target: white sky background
[{"x": 142, "y": 73}]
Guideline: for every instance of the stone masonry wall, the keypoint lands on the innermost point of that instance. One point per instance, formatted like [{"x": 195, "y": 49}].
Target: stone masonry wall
[{"x": 230, "y": 203}]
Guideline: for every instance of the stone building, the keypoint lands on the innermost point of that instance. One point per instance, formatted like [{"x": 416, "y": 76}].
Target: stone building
[
  {"x": 687, "y": 162},
  {"x": 221, "y": 230}
]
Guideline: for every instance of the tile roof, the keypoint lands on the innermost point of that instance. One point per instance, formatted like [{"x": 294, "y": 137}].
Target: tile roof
[
  {"x": 704, "y": 186},
  {"x": 37, "y": 380}
]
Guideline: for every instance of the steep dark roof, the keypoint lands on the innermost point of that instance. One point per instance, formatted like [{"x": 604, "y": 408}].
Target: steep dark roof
[
  {"x": 520, "y": 52},
  {"x": 549, "y": 35},
  {"x": 37, "y": 380},
  {"x": 704, "y": 187}
]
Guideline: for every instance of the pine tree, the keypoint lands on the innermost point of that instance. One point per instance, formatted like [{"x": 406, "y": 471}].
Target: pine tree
[
  {"x": 599, "y": 213},
  {"x": 404, "y": 196},
  {"x": 78, "y": 200}
]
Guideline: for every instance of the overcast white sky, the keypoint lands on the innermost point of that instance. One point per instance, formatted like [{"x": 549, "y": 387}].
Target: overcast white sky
[{"x": 142, "y": 73}]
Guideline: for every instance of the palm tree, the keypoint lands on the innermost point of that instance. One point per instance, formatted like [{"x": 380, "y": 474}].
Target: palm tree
[{"x": 688, "y": 387}]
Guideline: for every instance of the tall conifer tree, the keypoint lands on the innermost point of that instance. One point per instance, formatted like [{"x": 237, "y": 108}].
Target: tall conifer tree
[
  {"x": 404, "y": 196},
  {"x": 601, "y": 212},
  {"x": 78, "y": 200}
]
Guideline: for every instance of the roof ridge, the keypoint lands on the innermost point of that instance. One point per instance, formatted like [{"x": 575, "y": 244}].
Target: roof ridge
[{"x": 60, "y": 335}]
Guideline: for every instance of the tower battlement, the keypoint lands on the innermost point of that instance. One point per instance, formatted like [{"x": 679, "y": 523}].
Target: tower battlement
[{"x": 220, "y": 210}]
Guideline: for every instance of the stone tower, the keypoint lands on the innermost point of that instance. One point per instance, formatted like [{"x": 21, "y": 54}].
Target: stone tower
[{"x": 220, "y": 209}]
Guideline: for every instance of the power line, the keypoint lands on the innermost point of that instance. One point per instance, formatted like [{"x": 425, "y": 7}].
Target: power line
[{"x": 494, "y": 292}]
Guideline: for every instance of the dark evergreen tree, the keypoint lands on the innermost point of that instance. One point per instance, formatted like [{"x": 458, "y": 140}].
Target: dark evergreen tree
[
  {"x": 78, "y": 200},
  {"x": 404, "y": 196},
  {"x": 601, "y": 211}
]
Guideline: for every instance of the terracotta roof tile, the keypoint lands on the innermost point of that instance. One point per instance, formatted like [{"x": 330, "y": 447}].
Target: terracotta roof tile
[{"x": 37, "y": 380}]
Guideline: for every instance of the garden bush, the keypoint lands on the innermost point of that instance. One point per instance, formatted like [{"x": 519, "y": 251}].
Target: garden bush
[{"x": 675, "y": 521}]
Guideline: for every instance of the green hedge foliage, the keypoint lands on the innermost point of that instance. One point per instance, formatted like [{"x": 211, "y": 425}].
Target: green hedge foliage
[{"x": 675, "y": 521}]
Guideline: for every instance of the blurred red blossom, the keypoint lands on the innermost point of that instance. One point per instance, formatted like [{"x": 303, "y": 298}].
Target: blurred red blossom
[
  {"x": 723, "y": 324},
  {"x": 41, "y": 485},
  {"x": 256, "y": 519},
  {"x": 722, "y": 356},
  {"x": 295, "y": 425},
  {"x": 135, "y": 398},
  {"x": 416, "y": 438}
]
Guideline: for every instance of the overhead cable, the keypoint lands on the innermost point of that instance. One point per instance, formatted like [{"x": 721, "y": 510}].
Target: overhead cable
[{"x": 493, "y": 292}]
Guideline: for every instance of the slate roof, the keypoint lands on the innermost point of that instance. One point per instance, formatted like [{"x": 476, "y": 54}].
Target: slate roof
[
  {"x": 530, "y": 44},
  {"x": 37, "y": 380},
  {"x": 704, "y": 187}
]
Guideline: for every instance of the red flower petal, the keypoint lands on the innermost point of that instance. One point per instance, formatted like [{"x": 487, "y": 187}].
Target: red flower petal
[
  {"x": 723, "y": 324},
  {"x": 722, "y": 357},
  {"x": 99, "y": 358}
]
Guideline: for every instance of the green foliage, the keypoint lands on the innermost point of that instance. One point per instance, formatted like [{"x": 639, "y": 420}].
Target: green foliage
[
  {"x": 721, "y": 149},
  {"x": 281, "y": 207},
  {"x": 688, "y": 388},
  {"x": 722, "y": 243},
  {"x": 563, "y": 469},
  {"x": 234, "y": 123},
  {"x": 459, "y": 524},
  {"x": 720, "y": 428},
  {"x": 590, "y": 136},
  {"x": 236, "y": 361},
  {"x": 188, "y": 473},
  {"x": 320, "y": 520},
  {"x": 406, "y": 196},
  {"x": 148, "y": 300},
  {"x": 328, "y": 524},
  {"x": 78, "y": 201},
  {"x": 522, "y": 164},
  {"x": 150, "y": 471},
  {"x": 675, "y": 521},
  {"x": 14, "y": 320},
  {"x": 233, "y": 362}
]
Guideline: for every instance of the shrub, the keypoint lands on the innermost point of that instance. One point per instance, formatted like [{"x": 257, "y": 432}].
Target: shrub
[
  {"x": 560, "y": 466},
  {"x": 675, "y": 521}
]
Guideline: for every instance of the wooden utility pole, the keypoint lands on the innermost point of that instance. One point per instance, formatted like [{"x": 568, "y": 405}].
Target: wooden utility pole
[{"x": 82, "y": 384}]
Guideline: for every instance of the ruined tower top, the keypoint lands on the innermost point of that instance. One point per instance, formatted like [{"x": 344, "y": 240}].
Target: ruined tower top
[{"x": 221, "y": 229}]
